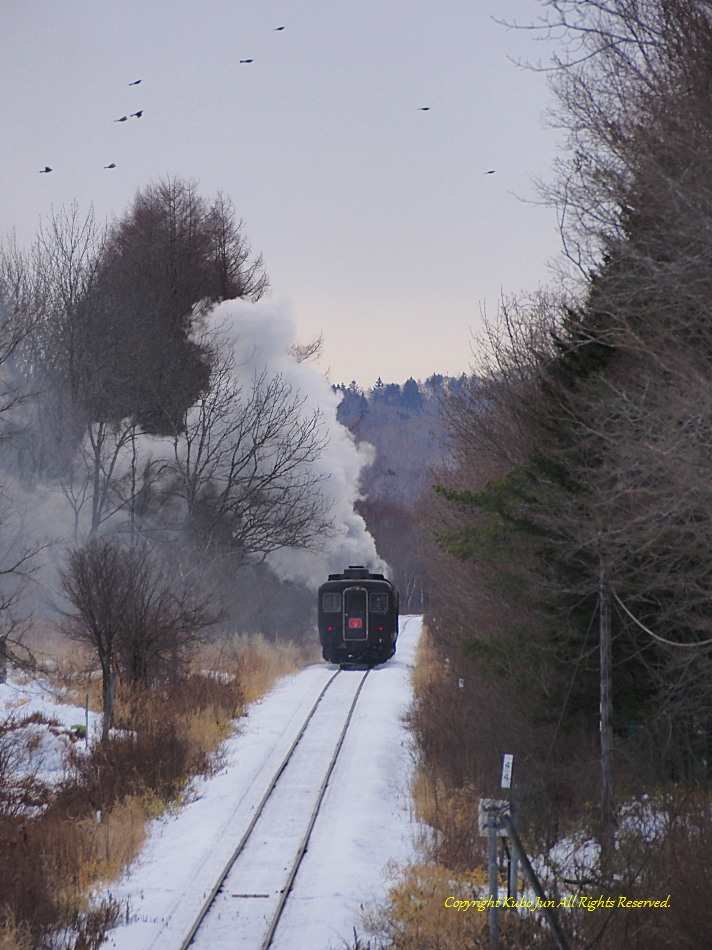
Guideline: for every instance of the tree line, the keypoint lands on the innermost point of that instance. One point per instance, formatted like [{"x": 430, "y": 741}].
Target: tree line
[
  {"x": 582, "y": 446},
  {"x": 404, "y": 424},
  {"x": 166, "y": 462}
]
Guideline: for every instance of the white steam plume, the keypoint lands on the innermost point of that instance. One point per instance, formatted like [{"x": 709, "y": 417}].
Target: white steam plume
[{"x": 261, "y": 334}]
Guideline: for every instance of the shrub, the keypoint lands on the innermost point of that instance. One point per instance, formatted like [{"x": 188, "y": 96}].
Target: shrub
[{"x": 415, "y": 916}]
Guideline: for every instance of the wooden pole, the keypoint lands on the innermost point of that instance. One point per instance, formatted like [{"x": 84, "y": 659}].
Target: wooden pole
[
  {"x": 606, "y": 723},
  {"x": 493, "y": 877},
  {"x": 546, "y": 910},
  {"x": 513, "y": 872}
]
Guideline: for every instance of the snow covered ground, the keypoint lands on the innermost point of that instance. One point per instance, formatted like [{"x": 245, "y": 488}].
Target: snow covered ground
[
  {"x": 47, "y": 747},
  {"x": 365, "y": 821}
]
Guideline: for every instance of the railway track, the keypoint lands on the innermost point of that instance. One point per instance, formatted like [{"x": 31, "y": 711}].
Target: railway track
[{"x": 246, "y": 902}]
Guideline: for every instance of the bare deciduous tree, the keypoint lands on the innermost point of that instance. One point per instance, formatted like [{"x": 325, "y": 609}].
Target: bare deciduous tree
[
  {"x": 94, "y": 583},
  {"x": 103, "y": 475},
  {"x": 17, "y": 556},
  {"x": 135, "y": 618},
  {"x": 163, "y": 619},
  {"x": 242, "y": 470}
]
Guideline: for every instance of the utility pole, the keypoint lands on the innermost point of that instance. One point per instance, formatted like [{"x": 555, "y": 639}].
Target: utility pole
[
  {"x": 492, "y": 817},
  {"x": 606, "y": 721},
  {"x": 545, "y": 904}
]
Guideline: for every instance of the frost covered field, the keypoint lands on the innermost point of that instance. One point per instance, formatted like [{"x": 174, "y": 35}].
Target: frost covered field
[{"x": 365, "y": 821}]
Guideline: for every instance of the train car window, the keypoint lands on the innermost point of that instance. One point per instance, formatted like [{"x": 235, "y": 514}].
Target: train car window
[
  {"x": 378, "y": 603},
  {"x": 331, "y": 603}
]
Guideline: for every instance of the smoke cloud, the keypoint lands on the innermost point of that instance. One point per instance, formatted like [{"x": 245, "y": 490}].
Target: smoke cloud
[
  {"x": 47, "y": 516},
  {"x": 262, "y": 335}
]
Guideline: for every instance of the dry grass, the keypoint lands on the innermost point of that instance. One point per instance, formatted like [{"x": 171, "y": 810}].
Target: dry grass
[
  {"x": 77, "y": 855},
  {"x": 13, "y": 935},
  {"x": 51, "y": 858},
  {"x": 451, "y": 814},
  {"x": 669, "y": 853},
  {"x": 92, "y": 826},
  {"x": 449, "y": 809},
  {"x": 47, "y": 866},
  {"x": 427, "y": 788},
  {"x": 71, "y": 669},
  {"x": 115, "y": 841},
  {"x": 256, "y": 661},
  {"x": 416, "y": 915},
  {"x": 428, "y": 666},
  {"x": 431, "y": 799}
]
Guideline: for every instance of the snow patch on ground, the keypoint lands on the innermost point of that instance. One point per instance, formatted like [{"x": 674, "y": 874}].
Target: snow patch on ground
[{"x": 48, "y": 741}]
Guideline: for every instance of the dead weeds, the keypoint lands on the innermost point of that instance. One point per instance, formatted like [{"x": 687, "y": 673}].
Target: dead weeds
[{"x": 59, "y": 843}]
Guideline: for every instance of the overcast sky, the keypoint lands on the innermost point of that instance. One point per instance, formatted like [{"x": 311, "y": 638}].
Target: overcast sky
[{"x": 377, "y": 221}]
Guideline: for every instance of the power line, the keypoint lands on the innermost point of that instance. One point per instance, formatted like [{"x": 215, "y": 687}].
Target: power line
[{"x": 655, "y": 636}]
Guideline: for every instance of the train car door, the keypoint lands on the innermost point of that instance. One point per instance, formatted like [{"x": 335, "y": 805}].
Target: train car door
[{"x": 355, "y": 613}]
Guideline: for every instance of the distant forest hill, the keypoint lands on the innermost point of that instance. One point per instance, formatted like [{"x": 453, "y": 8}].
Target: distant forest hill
[{"x": 404, "y": 424}]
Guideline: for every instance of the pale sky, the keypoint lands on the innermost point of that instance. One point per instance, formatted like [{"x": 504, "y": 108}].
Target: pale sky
[{"x": 377, "y": 221}]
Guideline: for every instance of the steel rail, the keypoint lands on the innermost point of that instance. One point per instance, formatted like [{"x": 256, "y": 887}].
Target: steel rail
[
  {"x": 305, "y": 840},
  {"x": 255, "y": 818}
]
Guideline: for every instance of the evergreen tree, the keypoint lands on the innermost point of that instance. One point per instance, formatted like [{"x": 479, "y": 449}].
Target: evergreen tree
[{"x": 597, "y": 415}]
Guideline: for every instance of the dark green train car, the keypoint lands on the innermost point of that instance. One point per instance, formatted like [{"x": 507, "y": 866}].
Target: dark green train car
[{"x": 358, "y": 617}]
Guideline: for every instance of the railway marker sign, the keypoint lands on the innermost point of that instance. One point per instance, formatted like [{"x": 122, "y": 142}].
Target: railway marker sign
[{"x": 507, "y": 763}]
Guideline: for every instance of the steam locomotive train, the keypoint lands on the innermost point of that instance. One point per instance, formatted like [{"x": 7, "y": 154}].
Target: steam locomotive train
[{"x": 358, "y": 617}]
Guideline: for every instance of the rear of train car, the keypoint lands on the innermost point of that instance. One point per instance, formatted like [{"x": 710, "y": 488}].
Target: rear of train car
[{"x": 358, "y": 617}]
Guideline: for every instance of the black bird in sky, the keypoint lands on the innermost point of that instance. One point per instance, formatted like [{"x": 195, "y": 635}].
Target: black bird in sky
[
  {"x": 135, "y": 82},
  {"x": 278, "y": 28},
  {"x": 247, "y": 60},
  {"x": 46, "y": 170},
  {"x": 122, "y": 119},
  {"x": 424, "y": 109},
  {"x": 137, "y": 114},
  {"x": 490, "y": 172},
  {"x": 113, "y": 165}
]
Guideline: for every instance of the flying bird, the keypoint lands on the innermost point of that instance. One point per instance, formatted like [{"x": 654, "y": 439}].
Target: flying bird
[
  {"x": 137, "y": 114},
  {"x": 46, "y": 170},
  {"x": 113, "y": 165},
  {"x": 424, "y": 109},
  {"x": 122, "y": 119},
  {"x": 277, "y": 28},
  {"x": 247, "y": 60},
  {"x": 135, "y": 82},
  {"x": 490, "y": 172}
]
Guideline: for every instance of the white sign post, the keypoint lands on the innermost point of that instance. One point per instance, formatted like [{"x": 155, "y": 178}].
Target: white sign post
[
  {"x": 506, "y": 782},
  {"x": 507, "y": 763}
]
